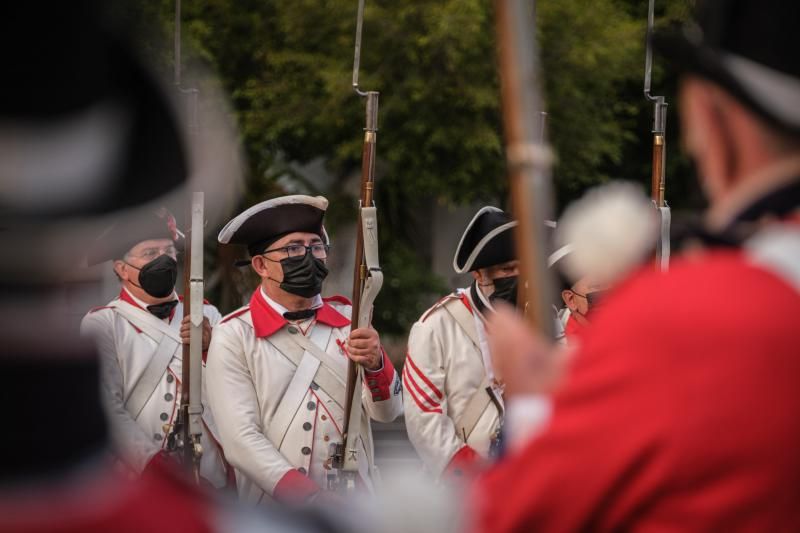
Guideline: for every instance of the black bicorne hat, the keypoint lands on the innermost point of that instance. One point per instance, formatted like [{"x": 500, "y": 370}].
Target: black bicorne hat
[
  {"x": 748, "y": 47},
  {"x": 487, "y": 241},
  {"x": 266, "y": 222}
]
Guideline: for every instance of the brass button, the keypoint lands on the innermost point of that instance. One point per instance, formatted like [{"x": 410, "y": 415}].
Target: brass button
[
  {"x": 170, "y": 378},
  {"x": 168, "y": 397},
  {"x": 164, "y": 416},
  {"x": 311, "y": 406},
  {"x": 293, "y": 330},
  {"x": 307, "y": 426},
  {"x": 324, "y": 417},
  {"x": 306, "y": 450},
  {"x": 326, "y": 438}
]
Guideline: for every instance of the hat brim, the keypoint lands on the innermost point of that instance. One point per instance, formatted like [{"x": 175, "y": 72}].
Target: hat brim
[{"x": 774, "y": 100}]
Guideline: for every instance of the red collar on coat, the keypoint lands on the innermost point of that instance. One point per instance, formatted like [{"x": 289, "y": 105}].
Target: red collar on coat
[
  {"x": 267, "y": 320},
  {"x": 125, "y": 297},
  {"x": 574, "y": 329}
]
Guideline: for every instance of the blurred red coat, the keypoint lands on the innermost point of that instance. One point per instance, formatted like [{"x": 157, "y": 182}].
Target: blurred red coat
[{"x": 681, "y": 411}]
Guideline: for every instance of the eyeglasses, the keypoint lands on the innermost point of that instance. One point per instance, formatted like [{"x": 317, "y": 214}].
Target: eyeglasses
[
  {"x": 592, "y": 298},
  {"x": 318, "y": 250},
  {"x": 149, "y": 254}
]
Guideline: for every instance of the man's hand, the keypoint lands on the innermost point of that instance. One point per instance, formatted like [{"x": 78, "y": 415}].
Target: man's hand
[
  {"x": 522, "y": 359},
  {"x": 364, "y": 348},
  {"x": 186, "y": 326}
]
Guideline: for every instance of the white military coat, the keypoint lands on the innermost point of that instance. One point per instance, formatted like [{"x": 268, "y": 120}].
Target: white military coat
[
  {"x": 249, "y": 379},
  {"x": 125, "y": 351},
  {"x": 444, "y": 368}
]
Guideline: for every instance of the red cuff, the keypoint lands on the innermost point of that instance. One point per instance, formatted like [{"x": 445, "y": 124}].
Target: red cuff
[
  {"x": 294, "y": 487},
  {"x": 465, "y": 463},
  {"x": 380, "y": 381}
]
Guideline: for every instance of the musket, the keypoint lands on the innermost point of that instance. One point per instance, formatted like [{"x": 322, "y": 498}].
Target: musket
[
  {"x": 528, "y": 158},
  {"x": 188, "y": 428},
  {"x": 190, "y": 414},
  {"x": 367, "y": 282},
  {"x": 658, "y": 179}
]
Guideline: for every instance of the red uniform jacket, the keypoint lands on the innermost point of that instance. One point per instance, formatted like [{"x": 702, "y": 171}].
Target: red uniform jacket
[{"x": 681, "y": 413}]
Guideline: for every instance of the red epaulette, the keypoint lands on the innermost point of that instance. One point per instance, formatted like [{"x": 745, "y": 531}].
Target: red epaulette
[
  {"x": 236, "y": 313},
  {"x": 338, "y": 299},
  {"x": 437, "y": 305},
  {"x": 94, "y": 309}
]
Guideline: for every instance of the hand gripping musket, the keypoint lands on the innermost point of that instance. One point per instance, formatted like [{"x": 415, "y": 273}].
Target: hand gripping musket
[
  {"x": 658, "y": 181},
  {"x": 528, "y": 158},
  {"x": 188, "y": 428},
  {"x": 367, "y": 282}
]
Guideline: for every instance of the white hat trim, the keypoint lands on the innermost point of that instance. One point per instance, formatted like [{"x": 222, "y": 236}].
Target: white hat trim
[
  {"x": 479, "y": 247},
  {"x": 230, "y": 229},
  {"x": 777, "y": 92},
  {"x": 559, "y": 254}
]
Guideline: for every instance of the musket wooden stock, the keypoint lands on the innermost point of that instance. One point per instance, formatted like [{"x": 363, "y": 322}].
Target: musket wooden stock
[{"x": 657, "y": 184}]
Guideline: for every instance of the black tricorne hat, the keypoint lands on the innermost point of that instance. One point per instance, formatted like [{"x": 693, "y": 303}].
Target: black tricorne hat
[
  {"x": 749, "y": 48},
  {"x": 119, "y": 238},
  {"x": 266, "y": 222},
  {"x": 486, "y": 242},
  {"x": 90, "y": 128}
]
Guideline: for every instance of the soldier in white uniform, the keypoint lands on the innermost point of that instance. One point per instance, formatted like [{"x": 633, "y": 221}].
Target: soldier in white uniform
[
  {"x": 277, "y": 365},
  {"x": 139, "y": 336},
  {"x": 453, "y": 404}
]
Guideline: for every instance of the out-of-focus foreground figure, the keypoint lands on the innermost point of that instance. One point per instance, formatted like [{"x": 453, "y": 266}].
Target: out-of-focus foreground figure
[
  {"x": 680, "y": 410},
  {"x": 87, "y": 137}
]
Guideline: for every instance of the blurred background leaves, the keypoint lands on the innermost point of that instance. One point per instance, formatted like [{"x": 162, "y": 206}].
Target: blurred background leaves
[{"x": 287, "y": 69}]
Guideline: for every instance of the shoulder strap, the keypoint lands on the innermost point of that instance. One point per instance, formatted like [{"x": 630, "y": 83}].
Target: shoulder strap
[
  {"x": 147, "y": 323},
  {"x": 295, "y": 345},
  {"x": 151, "y": 376},
  {"x": 462, "y": 316},
  {"x": 168, "y": 345},
  {"x": 481, "y": 398},
  {"x": 292, "y": 399},
  {"x": 309, "y": 368},
  {"x": 477, "y": 405}
]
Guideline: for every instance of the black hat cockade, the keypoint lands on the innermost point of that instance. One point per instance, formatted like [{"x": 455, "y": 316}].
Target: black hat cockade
[
  {"x": 486, "y": 242},
  {"x": 266, "y": 222},
  {"x": 748, "y": 47}
]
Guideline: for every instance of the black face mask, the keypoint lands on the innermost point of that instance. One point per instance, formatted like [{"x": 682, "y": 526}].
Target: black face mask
[
  {"x": 304, "y": 275},
  {"x": 505, "y": 289},
  {"x": 595, "y": 298},
  {"x": 157, "y": 278}
]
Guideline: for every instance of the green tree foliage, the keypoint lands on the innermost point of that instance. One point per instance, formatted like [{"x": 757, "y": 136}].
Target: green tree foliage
[{"x": 287, "y": 67}]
